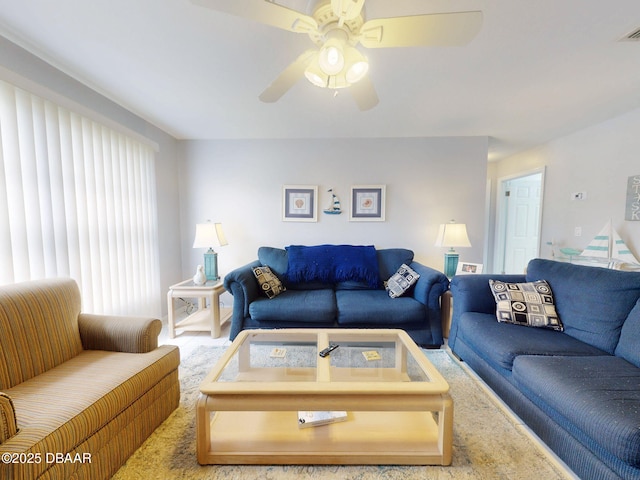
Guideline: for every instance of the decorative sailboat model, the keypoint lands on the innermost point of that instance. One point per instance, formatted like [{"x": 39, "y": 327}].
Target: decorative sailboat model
[
  {"x": 608, "y": 247},
  {"x": 334, "y": 207}
]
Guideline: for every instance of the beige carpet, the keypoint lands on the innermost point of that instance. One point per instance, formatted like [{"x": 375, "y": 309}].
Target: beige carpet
[{"x": 487, "y": 443}]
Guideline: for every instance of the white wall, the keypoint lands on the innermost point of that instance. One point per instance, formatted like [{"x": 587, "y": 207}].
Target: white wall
[
  {"x": 19, "y": 61},
  {"x": 597, "y": 160},
  {"x": 239, "y": 183}
]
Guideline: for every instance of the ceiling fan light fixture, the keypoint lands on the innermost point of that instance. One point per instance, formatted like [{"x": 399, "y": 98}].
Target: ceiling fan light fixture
[
  {"x": 357, "y": 71},
  {"x": 315, "y": 74},
  {"x": 331, "y": 57},
  {"x": 316, "y": 79},
  {"x": 357, "y": 66}
]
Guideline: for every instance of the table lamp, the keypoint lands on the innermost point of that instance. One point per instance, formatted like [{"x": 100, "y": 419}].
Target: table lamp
[
  {"x": 452, "y": 235},
  {"x": 209, "y": 235}
]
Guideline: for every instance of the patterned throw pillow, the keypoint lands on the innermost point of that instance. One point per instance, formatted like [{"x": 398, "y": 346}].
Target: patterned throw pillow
[
  {"x": 400, "y": 281},
  {"x": 269, "y": 283},
  {"x": 529, "y": 304}
]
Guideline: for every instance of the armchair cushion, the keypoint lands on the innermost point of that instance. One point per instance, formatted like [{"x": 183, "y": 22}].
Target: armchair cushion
[
  {"x": 8, "y": 421},
  {"x": 119, "y": 333}
]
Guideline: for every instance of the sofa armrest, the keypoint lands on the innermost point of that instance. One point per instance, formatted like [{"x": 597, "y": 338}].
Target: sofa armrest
[
  {"x": 242, "y": 284},
  {"x": 471, "y": 293},
  {"x": 8, "y": 421},
  {"x": 430, "y": 286},
  {"x": 119, "y": 333},
  {"x": 428, "y": 290}
]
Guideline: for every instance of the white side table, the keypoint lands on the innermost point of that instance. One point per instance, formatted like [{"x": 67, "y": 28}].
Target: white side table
[{"x": 208, "y": 317}]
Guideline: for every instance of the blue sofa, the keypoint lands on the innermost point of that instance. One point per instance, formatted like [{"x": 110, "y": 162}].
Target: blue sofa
[
  {"x": 577, "y": 389},
  {"x": 348, "y": 303}
]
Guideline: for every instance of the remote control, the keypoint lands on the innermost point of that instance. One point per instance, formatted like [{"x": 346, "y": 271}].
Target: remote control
[{"x": 328, "y": 350}]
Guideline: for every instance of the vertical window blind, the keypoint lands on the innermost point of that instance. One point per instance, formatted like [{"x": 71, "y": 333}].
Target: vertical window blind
[{"x": 77, "y": 199}]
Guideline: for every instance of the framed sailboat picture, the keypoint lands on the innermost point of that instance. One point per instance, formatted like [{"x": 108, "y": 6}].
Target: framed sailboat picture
[
  {"x": 367, "y": 203},
  {"x": 299, "y": 203}
]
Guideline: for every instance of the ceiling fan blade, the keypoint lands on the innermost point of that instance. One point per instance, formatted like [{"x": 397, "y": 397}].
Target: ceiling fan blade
[
  {"x": 439, "y": 29},
  {"x": 364, "y": 93},
  {"x": 288, "y": 78},
  {"x": 264, "y": 11}
]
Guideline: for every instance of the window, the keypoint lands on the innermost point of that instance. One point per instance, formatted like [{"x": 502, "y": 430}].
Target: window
[{"x": 77, "y": 199}]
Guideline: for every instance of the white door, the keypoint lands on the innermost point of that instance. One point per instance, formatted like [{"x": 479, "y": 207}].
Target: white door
[{"x": 519, "y": 228}]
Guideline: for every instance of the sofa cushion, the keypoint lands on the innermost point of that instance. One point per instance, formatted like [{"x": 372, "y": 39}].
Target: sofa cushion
[
  {"x": 401, "y": 281},
  {"x": 333, "y": 263},
  {"x": 390, "y": 259},
  {"x": 277, "y": 260},
  {"x": 500, "y": 343},
  {"x": 592, "y": 302},
  {"x": 528, "y": 304},
  {"x": 310, "y": 306},
  {"x": 629, "y": 344},
  {"x": 595, "y": 396},
  {"x": 61, "y": 408},
  {"x": 274, "y": 258},
  {"x": 269, "y": 283},
  {"x": 25, "y": 321},
  {"x": 375, "y": 307}
]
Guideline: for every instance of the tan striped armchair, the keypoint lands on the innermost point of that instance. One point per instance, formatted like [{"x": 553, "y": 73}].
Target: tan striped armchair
[{"x": 79, "y": 393}]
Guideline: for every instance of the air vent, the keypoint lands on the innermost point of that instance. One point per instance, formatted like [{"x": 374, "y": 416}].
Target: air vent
[{"x": 632, "y": 37}]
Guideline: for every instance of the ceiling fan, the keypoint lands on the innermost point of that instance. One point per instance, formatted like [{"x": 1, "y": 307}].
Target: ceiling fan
[{"x": 336, "y": 27}]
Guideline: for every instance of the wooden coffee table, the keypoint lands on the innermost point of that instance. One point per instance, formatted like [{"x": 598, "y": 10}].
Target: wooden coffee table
[{"x": 398, "y": 407}]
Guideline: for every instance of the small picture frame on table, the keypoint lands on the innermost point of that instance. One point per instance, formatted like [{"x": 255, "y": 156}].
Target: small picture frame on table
[
  {"x": 466, "y": 268},
  {"x": 300, "y": 203},
  {"x": 367, "y": 203}
]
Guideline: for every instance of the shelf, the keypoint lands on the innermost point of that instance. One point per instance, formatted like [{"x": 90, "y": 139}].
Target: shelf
[
  {"x": 201, "y": 321},
  {"x": 391, "y": 438}
]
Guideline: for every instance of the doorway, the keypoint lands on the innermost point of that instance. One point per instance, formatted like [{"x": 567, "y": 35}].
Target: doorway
[{"x": 519, "y": 209}]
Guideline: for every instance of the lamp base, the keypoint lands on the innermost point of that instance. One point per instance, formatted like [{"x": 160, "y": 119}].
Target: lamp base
[
  {"x": 211, "y": 265},
  {"x": 450, "y": 263}
]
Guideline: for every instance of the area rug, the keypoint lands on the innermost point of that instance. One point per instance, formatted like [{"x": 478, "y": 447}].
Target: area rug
[{"x": 487, "y": 443}]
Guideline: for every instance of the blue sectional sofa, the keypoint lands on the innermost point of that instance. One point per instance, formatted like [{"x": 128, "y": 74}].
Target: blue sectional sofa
[
  {"x": 577, "y": 389},
  {"x": 323, "y": 293}
]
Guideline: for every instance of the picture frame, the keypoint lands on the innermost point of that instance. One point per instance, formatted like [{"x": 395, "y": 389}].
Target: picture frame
[
  {"x": 468, "y": 268},
  {"x": 299, "y": 203},
  {"x": 368, "y": 203}
]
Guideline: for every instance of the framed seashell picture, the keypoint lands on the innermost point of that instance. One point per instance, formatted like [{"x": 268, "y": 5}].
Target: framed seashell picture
[
  {"x": 368, "y": 203},
  {"x": 300, "y": 203}
]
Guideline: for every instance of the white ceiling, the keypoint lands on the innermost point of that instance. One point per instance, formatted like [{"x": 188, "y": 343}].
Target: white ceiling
[{"x": 538, "y": 69}]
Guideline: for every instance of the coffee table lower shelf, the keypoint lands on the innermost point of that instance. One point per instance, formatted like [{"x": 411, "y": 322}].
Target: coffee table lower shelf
[{"x": 365, "y": 438}]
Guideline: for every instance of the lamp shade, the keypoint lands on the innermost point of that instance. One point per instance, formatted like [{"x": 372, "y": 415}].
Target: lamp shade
[
  {"x": 452, "y": 235},
  {"x": 209, "y": 235}
]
